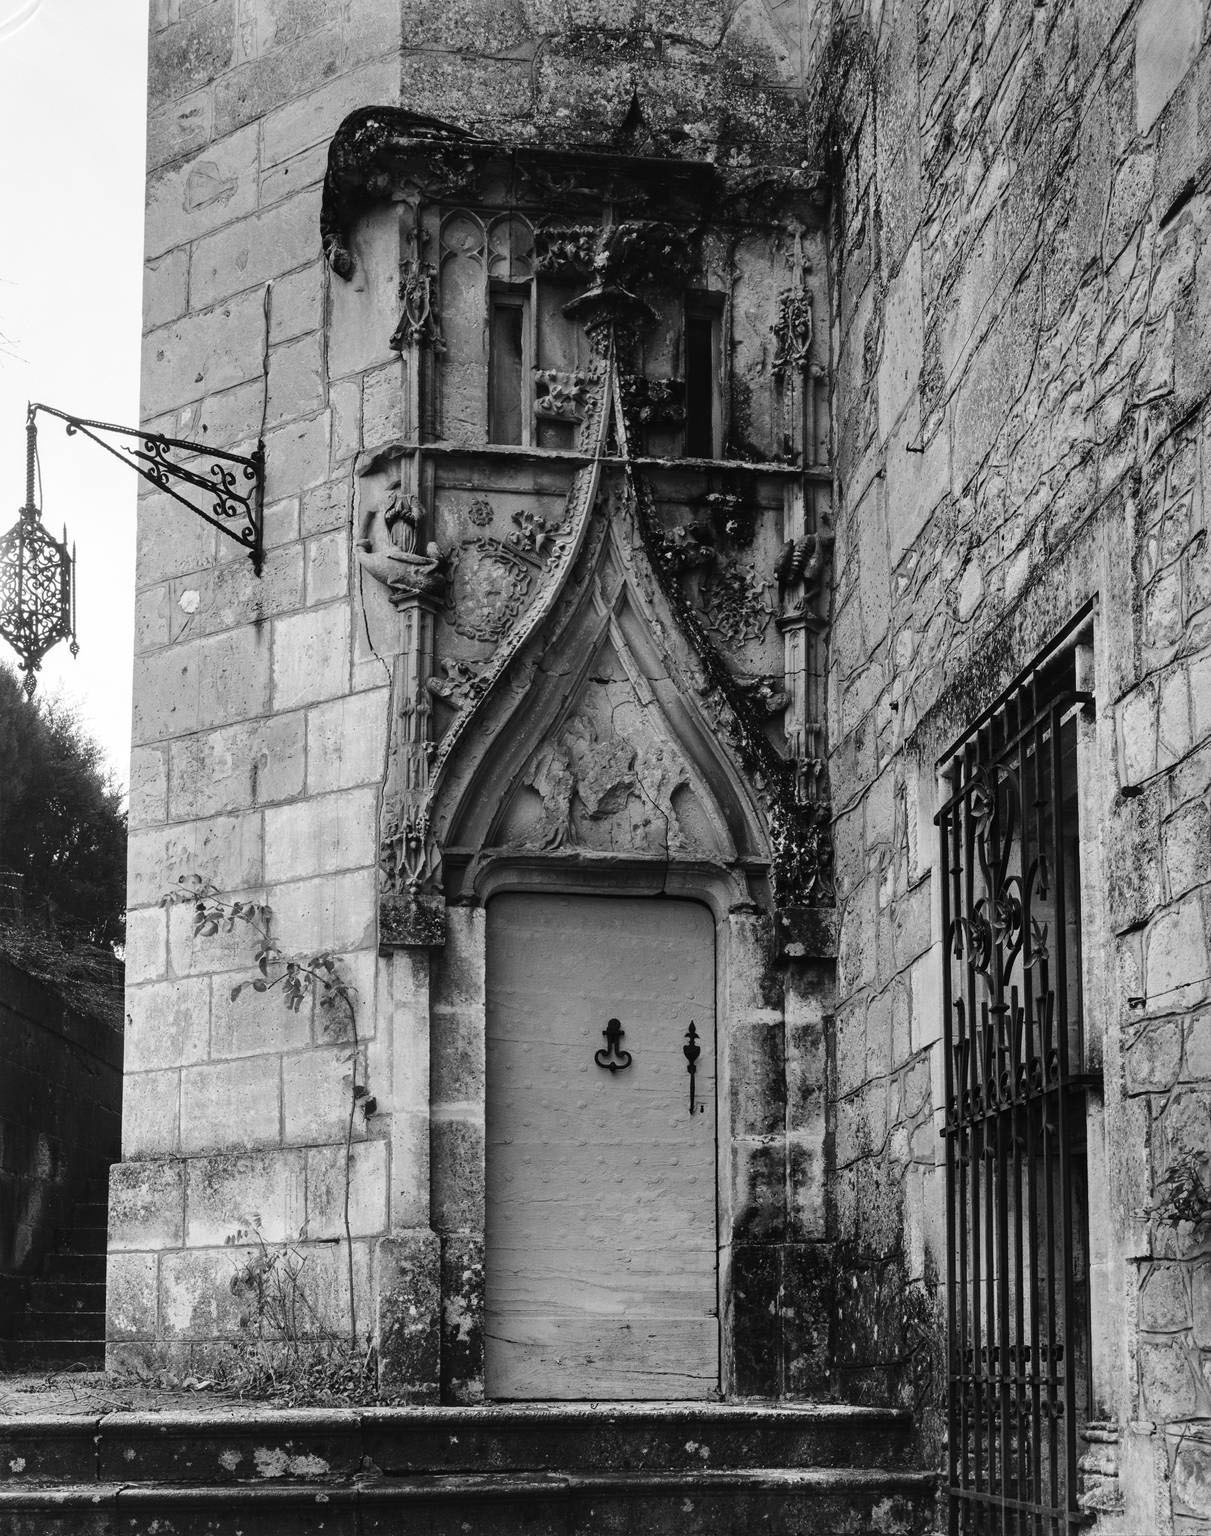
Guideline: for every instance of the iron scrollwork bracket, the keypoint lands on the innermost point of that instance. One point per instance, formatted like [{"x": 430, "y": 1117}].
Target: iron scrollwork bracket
[
  {"x": 613, "y": 1057},
  {"x": 231, "y": 486}
]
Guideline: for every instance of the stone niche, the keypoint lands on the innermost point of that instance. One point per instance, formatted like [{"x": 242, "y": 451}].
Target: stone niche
[{"x": 593, "y": 542}]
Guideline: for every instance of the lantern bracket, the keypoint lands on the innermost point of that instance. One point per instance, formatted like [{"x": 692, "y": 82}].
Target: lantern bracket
[{"x": 231, "y": 486}]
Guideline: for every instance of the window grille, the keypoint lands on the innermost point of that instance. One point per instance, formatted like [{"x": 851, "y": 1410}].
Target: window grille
[{"x": 1016, "y": 1081}]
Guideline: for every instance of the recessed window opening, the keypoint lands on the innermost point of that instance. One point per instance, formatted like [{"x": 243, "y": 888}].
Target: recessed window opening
[
  {"x": 508, "y": 363},
  {"x": 703, "y": 415}
]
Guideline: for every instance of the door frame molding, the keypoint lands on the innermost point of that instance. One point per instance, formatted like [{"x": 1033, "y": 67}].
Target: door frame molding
[{"x": 457, "y": 1041}]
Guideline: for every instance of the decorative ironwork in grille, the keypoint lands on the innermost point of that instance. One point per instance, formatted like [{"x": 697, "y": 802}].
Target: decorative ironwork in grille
[{"x": 1017, "y": 1262}]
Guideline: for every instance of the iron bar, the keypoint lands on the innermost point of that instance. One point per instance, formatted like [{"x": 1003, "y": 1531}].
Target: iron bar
[{"x": 1015, "y": 1077}]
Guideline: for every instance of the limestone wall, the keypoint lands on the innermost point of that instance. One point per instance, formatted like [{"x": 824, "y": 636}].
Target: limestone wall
[
  {"x": 1023, "y": 345},
  {"x": 263, "y": 729},
  {"x": 258, "y": 742}
]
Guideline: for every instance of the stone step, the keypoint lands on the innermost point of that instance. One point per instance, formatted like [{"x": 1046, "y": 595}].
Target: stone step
[
  {"x": 81, "y": 1239},
  {"x": 245, "y": 1444},
  {"x": 37, "y": 1324},
  {"x": 66, "y": 1296},
  {"x": 30, "y": 1354},
  {"x": 73, "y": 1267},
  {"x": 775, "y": 1501}
]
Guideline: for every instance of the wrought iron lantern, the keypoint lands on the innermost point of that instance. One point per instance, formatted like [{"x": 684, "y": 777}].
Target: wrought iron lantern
[
  {"x": 37, "y": 572},
  {"x": 37, "y": 579}
]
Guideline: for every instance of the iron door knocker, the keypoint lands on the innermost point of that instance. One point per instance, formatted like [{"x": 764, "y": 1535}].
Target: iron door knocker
[{"x": 613, "y": 1057}]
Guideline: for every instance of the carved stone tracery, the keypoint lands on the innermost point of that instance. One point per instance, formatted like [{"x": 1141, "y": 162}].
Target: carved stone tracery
[{"x": 500, "y": 591}]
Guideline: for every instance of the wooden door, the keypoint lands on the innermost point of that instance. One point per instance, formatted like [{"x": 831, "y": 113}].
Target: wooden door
[{"x": 601, "y": 1243}]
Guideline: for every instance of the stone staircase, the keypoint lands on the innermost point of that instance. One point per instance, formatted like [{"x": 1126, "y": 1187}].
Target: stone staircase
[
  {"x": 558, "y": 1470},
  {"x": 63, "y": 1321}
]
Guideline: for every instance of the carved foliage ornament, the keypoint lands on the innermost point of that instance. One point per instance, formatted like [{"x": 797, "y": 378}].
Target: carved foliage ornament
[
  {"x": 793, "y": 331},
  {"x": 419, "y": 324}
]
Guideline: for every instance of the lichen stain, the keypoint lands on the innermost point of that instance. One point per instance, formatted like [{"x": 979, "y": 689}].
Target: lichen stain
[{"x": 272, "y": 1461}]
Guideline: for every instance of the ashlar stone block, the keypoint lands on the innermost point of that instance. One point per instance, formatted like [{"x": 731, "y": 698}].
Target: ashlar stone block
[
  {"x": 196, "y": 1298},
  {"x": 322, "y": 834},
  {"x": 131, "y": 1295},
  {"x": 150, "y": 1114},
  {"x": 409, "y": 1314},
  {"x": 146, "y": 1205},
  {"x": 255, "y": 249},
  {"x": 297, "y": 455},
  {"x": 230, "y": 1105},
  {"x": 148, "y": 786},
  {"x": 167, "y": 1024},
  {"x": 194, "y": 357},
  {"x": 228, "y": 1196},
  {"x": 254, "y": 1023},
  {"x": 296, "y": 379},
  {"x": 226, "y": 849},
  {"x": 337, "y": 912},
  {"x": 347, "y": 742},
  {"x": 311, "y": 656},
  {"x": 146, "y": 944},
  {"x": 317, "y": 1089},
  {"x": 253, "y": 763},
  {"x": 364, "y": 1167},
  {"x": 200, "y": 684},
  {"x": 213, "y": 188}
]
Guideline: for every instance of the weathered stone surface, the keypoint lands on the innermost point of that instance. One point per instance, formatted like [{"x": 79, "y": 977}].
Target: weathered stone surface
[
  {"x": 146, "y": 1205},
  {"x": 167, "y": 1024},
  {"x": 213, "y": 188},
  {"x": 229, "y": 1105},
  {"x": 462, "y": 1321},
  {"x": 408, "y": 1315},
  {"x": 230, "y": 1198},
  {"x": 151, "y": 1104}
]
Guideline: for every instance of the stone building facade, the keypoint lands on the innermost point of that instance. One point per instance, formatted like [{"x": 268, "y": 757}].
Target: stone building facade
[{"x": 704, "y": 445}]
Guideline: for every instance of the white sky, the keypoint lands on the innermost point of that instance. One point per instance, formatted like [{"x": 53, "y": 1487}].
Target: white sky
[{"x": 72, "y": 145}]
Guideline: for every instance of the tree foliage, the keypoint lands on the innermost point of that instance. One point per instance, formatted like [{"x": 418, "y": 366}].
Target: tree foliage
[{"x": 62, "y": 826}]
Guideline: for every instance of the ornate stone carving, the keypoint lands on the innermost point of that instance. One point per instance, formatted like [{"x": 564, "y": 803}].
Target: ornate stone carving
[
  {"x": 387, "y": 548},
  {"x": 599, "y": 788},
  {"x": 639, "y": 254},
  {"x": 801, "y": 570},
  {"x": 738, "y": 602},
  {"x": 479, "y": 513},
  {"x": 565, "y": 250},
  {"x": 687, "y": 547},
  {"x": 490, "y": 578},
  {"x": 419, "y": 324},
  {"x": 488, "y": 584},
  {"x": 614, "y": 319},
  {"x": 653, "y": 402},
  {"x": 534, "y": 535},
  {"x": 1101, "y": 1490},
  {"x": 561, "y": 396},
  {"x": 764, "y": 693},
  {"x": 461, "y": 682},
  {"x": 793, "y": 331},
  {"x": 731, "y": 517},
  {"x": 373, "y": 155}
]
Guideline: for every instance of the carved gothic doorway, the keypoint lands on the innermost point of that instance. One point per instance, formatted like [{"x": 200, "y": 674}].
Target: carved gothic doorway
[{"x": 601, "y": 1211}]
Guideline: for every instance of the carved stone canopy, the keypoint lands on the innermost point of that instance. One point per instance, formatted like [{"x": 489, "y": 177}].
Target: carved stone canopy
[{"x": 380, "y": 153}]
